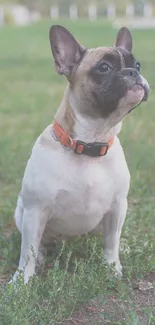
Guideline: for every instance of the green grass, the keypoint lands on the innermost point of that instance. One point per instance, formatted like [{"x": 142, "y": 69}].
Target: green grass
[{"x": 30, "y": 92}]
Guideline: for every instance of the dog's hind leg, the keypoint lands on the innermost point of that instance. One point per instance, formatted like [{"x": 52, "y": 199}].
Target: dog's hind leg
[
  {"x": 33, "y": 225},
  {"x": 18, "y": 216},
  {"x": 41, "y": 255}
]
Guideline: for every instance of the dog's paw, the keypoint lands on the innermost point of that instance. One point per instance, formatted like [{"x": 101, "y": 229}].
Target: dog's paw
[
  {"x": 115, "y": 263},
  {"x": 17, "y": 278},
  {"x": 11, "y": 282},
  {"x": 21, "y": 276},
  {"x": 118, "y": 269}
]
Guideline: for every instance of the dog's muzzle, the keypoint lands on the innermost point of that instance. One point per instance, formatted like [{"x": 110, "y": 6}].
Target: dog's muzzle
[
  {"x": 144, "y": 84},
  {"x": 137, "y": 80}
]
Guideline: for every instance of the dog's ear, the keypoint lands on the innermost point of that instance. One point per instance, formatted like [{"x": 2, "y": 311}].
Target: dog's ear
[
  {"x": 124, "y": 39},
  {"x": 67, "y": 52}
]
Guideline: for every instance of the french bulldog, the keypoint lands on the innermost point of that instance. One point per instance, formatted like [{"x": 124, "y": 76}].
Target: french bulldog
[{"x": 77, "y": 180}]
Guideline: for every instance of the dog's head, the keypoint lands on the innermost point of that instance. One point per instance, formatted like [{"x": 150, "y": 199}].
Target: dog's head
[{"x": 106, "y": 81}]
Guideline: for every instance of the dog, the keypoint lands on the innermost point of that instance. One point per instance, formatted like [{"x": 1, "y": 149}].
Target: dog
[{"x": 77, "y": 180}]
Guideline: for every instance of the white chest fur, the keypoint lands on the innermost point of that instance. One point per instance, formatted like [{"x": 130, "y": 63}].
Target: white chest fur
[{"x": 76, "y": 190}]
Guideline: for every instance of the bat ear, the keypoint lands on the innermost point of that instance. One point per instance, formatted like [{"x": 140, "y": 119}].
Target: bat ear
[
  {"x": 124, "y": 39},
  {"x": 67, "y": 52}
]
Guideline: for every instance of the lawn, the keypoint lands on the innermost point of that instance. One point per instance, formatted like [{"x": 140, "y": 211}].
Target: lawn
[{"x": 74, "y": 287}]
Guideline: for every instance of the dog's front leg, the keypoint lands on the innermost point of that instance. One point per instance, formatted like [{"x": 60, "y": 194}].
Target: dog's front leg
[
  {"x": 112, "y": 227},
  {"x": 33, "y": 225}
]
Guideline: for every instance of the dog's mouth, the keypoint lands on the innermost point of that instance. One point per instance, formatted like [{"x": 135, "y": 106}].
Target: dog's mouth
[
  {"x": 146, "y": 92},
  {"x": 139, "y": 87}
]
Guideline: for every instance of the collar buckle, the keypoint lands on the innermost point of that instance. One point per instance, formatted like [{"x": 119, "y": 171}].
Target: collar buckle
[{"x": 94, "y": 149}]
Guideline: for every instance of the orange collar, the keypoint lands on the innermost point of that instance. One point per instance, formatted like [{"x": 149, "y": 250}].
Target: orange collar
[{"x": 93, "y": 149}]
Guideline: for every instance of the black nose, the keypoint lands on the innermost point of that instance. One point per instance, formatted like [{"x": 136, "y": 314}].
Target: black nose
[{"x": 131, "y": 72}]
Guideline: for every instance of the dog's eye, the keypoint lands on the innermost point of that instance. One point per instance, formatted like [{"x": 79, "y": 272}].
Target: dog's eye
[
  {"x": 104, "y": 67},
  {"x": 138, "y": 66}
]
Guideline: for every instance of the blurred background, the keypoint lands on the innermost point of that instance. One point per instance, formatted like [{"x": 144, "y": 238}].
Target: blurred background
[{"x": 25, "y": 11}]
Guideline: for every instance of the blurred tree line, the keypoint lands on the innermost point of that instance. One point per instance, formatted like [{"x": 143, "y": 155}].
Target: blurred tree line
[{"x": 44, "y": 5}]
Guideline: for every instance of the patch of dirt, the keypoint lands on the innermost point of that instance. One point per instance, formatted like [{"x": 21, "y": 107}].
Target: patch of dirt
[
  {"x": 113, "y": 309},
  {"x": 3, "y": 278},
  {"x": 98, "y": 313},
  {"x": 150, "y": 277}
]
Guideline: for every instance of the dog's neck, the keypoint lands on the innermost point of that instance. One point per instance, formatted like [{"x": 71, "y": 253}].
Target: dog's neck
[{"x": 81, "y": 127}]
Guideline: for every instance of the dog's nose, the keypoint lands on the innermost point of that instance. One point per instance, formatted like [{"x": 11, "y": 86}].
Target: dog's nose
[{"x": 131, "y": 72}]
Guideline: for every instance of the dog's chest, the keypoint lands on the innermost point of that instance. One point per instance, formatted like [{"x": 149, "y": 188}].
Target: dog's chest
[
  {"x": 82, "y": 200},
  {"x": 77, "y": 191}
]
